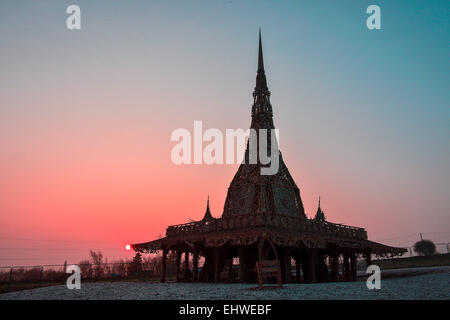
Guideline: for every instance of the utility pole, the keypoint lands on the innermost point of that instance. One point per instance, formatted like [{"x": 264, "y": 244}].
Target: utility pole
[{"x": 421, "y": 239}]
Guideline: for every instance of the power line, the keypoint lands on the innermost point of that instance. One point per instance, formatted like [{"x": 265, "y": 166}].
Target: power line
[
  {"x": 40, "y": 258},
  {"x": 435, "y": 232},
  {"x": 55, "y": 240},
  {"x": 125, "y": 262},
  {"x": 60, "y": 249},
  {"x": 400, "y": 237},
  {"x": 61, "y": 259},
  {"x": 411, "y": 235}
]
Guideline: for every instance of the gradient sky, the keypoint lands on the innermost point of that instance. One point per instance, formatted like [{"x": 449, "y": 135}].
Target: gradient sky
[{"x": 86, "y": 116}]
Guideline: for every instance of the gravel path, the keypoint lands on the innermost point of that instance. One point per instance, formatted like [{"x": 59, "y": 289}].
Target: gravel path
[{"x": 430, "y": 286}]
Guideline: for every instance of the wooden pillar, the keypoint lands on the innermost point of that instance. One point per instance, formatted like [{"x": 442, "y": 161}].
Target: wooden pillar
[
  {"x": 287, "y": 265},
  {"x": 368, "y": 257},
  {"x": 334, "y": 266},
  {"x": 304, "y": 266},
  {"x": 242, "y": 264},
  {"x": 313, "y": 266},
  {"x": 178, "y": 262},
  {"x": 206, "y": 274},
  {"x": 163, "y": 265},
  {"x": 195, "y": 265},
  {"x": 354, "y": 272},
  {"x": 186, "y": 266},
  {"x": 309, "y": 266},
  {"x": 346, "y": 270},
  {"x": 297, "y": 268},
  {"x": 216, "y": 264},
  {"x": 322, "y": 274}
]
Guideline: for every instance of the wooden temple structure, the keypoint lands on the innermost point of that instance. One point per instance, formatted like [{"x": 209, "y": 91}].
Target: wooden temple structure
[{"x": 263, "y": 218}]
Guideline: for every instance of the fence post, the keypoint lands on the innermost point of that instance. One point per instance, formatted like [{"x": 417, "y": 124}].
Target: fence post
[{"x": 10, "y": 278}]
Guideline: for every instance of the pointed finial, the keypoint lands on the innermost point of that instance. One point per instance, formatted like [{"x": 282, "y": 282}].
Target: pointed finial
[
  {"x": 208, "y": 216},
  {"x": 261, "y": 82},
  {"x": 260, "y": 53},
  {"x": 319, "y": 214}
]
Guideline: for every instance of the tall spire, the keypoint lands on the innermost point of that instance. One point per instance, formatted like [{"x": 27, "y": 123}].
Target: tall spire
[
  {"x": 261, "y": 82},
  {"x": 250, "y": 191},
  {"x": 260, "y": 54}
]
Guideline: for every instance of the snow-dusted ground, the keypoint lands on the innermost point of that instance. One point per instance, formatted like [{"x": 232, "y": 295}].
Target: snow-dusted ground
[
  {"x": 389, "y": 273},
  {"x": 429, "y": 286}
]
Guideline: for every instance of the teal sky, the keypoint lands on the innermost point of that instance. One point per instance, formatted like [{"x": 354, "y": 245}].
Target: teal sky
[{"x": 363, "y": 114}]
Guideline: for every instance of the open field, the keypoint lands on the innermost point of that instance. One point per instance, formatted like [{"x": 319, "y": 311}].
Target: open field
[
  {"x": 428, "y": 286},
  {"x": 414, "y": 262},
  {"x": 406, "y": 272}
]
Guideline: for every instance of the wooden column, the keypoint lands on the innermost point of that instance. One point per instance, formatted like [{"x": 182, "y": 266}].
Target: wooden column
[
  {"x": 309, "y": 266},
  {"x": 322, "y": 274},
  {"x": 242, "y": 265},
  {"x": 297, "y": 268},
  {"x": 195, "y": 265},
  {"x": 354, "y": 272},
  {"x": 287, "y": 264},
  {"x": 346, "y": 268},
  {"x": 186, "y": 266},
  {"x": 163, "y": 265},
  {"x": 313, "y": 265},
  {"x": 216, "y": 264},
  {"x": 178, "y": 262},
  {"x": 334, "y": 266},
  {"x": 368, "y": 257}
]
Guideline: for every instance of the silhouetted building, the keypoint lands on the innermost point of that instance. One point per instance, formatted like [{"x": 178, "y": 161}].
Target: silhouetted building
[{"x": 264, "y": 218}]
